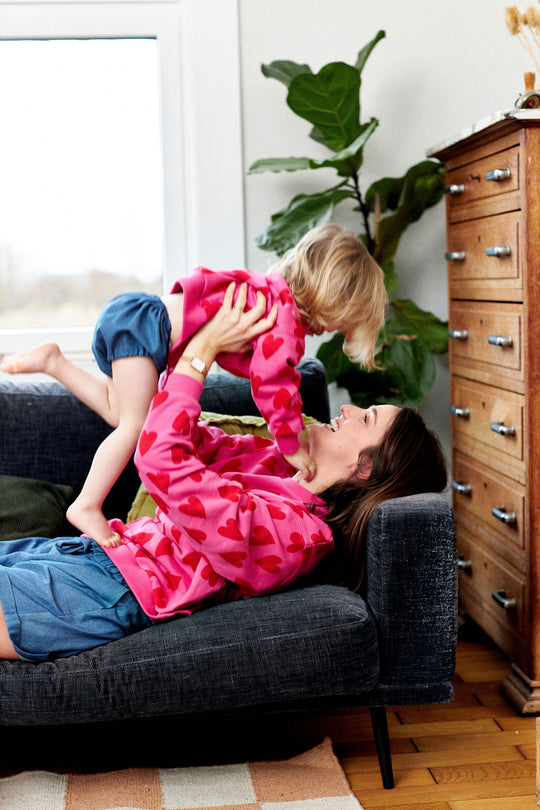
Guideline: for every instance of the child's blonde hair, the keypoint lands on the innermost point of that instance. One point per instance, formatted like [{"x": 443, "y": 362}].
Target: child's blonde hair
[{"x": 336, "y": 282}]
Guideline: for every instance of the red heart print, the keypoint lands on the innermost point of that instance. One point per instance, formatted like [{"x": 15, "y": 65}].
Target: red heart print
[
  {"x": 244, "y": 584},
  {"x": 269, "y": 464},
  {"x": 181, "y": 423},
  {"x": 161, "y": 480},
  {"x": 193, "y": 506},
  {"x": 296, "y": 508},
  {"x": 241, "y": 275},
  {"x": 297, "y": 543},
  {"x": 146, "y": 440},
  {"x": 231, "y": 530},
  {"x": 192, "y": 559},
  {"x": 235, "y": 558},
  {"x": 284, "y": 430},
  {"x": 176, "y": 533},
  {"x": 270, "y": 563},
  {"x": 230, "y": 493},
  {"x": 209, "y": 574},
  {"x": 163, "y": 548},
  {"x": 271, "y": 345},
  {"x": 249, "y": 505},
  {"x": 318, "y": 537},
  {"x": 160, "y": 502},
  {"x": 231, "y": 466},
  {"x": 196, "y": 534},
  {"x": 306, "y": 556},
  {"x": 173, "y": 581},
  {"x": 159, "y": 598},
  {"x": 210, "y": 308},
  {"x": 143, "y": 537},
  {"x": 282, "y": 399},
  {"x": 159, "y": 399},
  {"x": 197, "y": 476},
  {"x": 285, "y": 297},
  {"x": 256, "y": 381},
  {"x": 260, "y": 536},
  {"x": 276, "y": 512},
  {"x": 178, "y": 454}
]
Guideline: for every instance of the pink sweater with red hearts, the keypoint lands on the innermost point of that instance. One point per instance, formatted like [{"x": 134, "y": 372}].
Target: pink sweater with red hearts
[
  {"x": 230, "y": 522},
  {"x": 271, "y": 366}
]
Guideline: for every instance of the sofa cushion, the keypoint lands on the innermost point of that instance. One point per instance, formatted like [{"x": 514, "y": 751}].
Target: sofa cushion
[
  {"x": 313, "y": 642},
  {"x": 31, "y": 508}
]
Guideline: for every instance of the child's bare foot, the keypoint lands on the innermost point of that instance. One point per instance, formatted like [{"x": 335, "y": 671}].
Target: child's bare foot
[
  {"x": 43, "y": 358},
  {"x": 91, "y": 521}
]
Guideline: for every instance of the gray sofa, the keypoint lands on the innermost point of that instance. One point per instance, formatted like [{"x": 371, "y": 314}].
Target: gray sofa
[{"x": 318, "y": 646}]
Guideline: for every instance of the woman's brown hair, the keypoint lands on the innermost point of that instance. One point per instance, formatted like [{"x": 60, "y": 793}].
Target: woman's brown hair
[{"x": 407, "y": 461}]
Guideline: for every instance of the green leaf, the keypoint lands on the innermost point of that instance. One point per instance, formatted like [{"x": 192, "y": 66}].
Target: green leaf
[
  {"x": 284, "y": 71},
  {"x": 406, "y": 369},
  {"x": 366, "y": 50},
  {"x": 290, "y": 164},
  {"x": 340, "y": 161},
  {"x": 420, "y": 188},
  {"x": 304, "y": 212},
  {"x": 391, "y": 278},
  {"x": 426, "y": 325},
  {"x": 330, "y": 100}
]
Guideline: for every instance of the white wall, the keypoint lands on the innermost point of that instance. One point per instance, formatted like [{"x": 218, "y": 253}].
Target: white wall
[{"x": 441, "y": 67}]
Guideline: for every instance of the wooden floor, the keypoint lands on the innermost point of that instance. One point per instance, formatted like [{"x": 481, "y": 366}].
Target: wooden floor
[{"x": 476, "y": 753}]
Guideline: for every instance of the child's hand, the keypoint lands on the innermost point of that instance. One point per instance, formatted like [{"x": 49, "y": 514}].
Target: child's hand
[{"x": 302, "y": 462}]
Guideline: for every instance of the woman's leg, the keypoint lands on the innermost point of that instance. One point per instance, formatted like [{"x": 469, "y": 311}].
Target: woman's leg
[
  {"x": 94, "y": 391},
  {"x": 7, "y": 650},
  {"x": 135, "y": 382}
]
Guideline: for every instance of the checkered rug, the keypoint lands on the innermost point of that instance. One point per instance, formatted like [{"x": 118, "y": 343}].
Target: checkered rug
[{"x": 311, "y": 781}]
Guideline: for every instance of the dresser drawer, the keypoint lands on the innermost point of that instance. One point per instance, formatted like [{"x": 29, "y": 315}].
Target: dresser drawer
[
  {"x": 488, "y": 337},
  {"x": 487, "y": 423},
  {"x": 491, "y": 498},
  {"x": 488, "y": 180},
  {"x": 490, "y": 585},
  {"x": 484, "y": 258}
]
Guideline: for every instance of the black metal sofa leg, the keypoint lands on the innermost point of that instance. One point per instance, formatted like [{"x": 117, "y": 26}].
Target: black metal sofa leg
[{"x": 382, "y": 744}]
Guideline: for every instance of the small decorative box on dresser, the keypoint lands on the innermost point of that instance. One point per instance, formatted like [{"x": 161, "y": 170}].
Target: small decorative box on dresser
[{"x": 493, "y": 260}]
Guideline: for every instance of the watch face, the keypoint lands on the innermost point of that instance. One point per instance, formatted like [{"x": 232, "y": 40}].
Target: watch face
[{"x": 198, "y": 364}]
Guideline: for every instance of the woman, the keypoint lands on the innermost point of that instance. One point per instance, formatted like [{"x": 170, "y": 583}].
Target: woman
[{"x": 232, "y": 519}]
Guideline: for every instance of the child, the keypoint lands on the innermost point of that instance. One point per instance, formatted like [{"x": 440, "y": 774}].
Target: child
[{"x": 328, "y": 282}]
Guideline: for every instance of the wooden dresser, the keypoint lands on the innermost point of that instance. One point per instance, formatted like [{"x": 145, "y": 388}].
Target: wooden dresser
[{"x": 493, "y": 260}]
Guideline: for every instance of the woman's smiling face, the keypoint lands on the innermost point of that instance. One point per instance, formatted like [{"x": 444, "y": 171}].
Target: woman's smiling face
[{"x": 335, "y": 448}]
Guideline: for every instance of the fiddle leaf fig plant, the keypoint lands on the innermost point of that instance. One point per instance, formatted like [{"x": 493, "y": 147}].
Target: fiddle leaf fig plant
[{"x": 330, "y": 101}]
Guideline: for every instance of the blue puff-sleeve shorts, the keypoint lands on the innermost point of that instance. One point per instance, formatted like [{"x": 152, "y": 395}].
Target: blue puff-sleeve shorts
[{"x": 134, "y": 324}]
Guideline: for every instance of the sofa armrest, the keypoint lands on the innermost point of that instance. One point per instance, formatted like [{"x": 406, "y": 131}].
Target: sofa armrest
[{"x": 411, "y": 590}]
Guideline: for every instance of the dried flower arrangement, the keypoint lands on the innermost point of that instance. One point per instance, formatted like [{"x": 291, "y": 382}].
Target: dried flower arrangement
[{"x": 526, "y": 27}]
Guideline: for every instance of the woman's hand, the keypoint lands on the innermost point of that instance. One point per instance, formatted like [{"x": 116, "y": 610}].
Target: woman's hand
[{"x": 232, "y": 328}]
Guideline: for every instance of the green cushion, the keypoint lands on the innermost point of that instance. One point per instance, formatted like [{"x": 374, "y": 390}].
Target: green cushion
[{"x": 30, "y": 508}]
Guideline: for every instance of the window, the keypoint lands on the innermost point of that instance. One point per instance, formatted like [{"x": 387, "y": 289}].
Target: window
[
  {"x": 81, "y": 166},
  {"x": 115, "y": 118}
]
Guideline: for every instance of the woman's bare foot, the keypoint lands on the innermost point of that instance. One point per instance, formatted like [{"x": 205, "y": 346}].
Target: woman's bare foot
[
  {"x": 91, "y": 521},
  {"x": 43, "y": 358}
]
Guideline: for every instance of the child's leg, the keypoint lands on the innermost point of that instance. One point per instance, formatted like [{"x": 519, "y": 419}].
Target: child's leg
[
  {"x": 92, "y": 390},
  {"x": 135, "y": 382}
]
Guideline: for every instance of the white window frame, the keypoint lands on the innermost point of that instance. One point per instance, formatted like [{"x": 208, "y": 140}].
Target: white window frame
[{"x": 201, "y": 124}]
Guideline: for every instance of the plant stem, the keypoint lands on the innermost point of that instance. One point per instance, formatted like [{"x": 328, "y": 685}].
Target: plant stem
[{"x": 370, "y": 242}]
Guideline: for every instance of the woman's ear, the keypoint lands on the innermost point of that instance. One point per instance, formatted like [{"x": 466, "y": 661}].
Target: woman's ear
[{"x": 363, "y": 471}]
